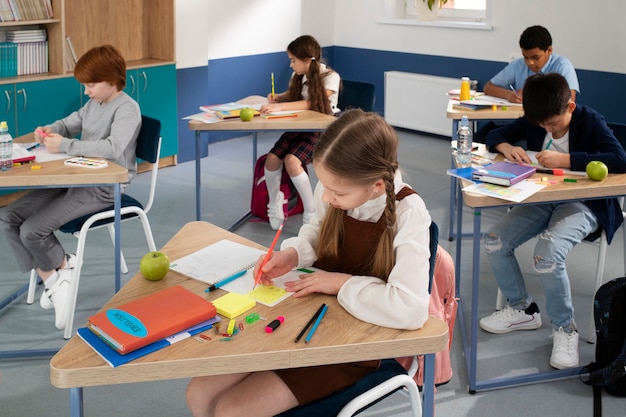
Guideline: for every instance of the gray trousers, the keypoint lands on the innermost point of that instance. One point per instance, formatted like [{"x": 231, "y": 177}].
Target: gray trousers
[{"x": 29, "y": 223}]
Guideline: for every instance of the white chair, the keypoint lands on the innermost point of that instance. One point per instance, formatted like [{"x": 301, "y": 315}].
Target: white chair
[
  {"x": 589, "y": 333},
  {"x": 148, "y": 149}
]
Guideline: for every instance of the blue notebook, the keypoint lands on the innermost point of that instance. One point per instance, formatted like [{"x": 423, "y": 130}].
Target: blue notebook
[{"x": 113, "y": 358}]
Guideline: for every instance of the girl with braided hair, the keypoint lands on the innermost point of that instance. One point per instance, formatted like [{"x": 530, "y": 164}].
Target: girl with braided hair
[
  {"x": 371, "y": 238},
  {"x": 313, "y": 86}
]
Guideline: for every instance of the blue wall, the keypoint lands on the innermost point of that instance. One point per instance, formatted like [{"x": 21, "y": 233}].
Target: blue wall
[{"x": 228, "y": 79}]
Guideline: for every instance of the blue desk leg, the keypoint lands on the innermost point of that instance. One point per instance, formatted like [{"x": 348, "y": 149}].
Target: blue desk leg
[
  {"x": 453, "y": 185},
  {"x": 76, "y": 402},
  {"x": 117, "y": 203},
  {"x": 198, "y": 203},
  {"x": 428, "y": 409}
]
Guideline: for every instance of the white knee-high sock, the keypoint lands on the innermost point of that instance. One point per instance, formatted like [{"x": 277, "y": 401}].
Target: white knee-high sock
[
  {"x": 272, "y": 180},
  {"x": 303, "y": 185}
]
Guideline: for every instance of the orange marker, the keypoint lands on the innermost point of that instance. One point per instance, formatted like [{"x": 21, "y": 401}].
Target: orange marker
[{"x": 267, "y": 257}]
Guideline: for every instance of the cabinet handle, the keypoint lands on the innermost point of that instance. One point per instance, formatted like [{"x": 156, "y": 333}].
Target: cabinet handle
[
  {"x": 145, "y": 80},
  {"x": 23, "y": 91},
  {"x": 7, "y": 93},
  {"x": 132, "y": 82}
]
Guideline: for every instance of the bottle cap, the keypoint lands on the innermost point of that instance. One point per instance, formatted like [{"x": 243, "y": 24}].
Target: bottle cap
[
  {"x": 3, "y": 125},
  {"x": 464, "y": 78}
]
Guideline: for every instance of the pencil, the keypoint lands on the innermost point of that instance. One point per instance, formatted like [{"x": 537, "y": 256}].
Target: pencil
[
  {"x": 225, "y": 281},
  {"x": 317, "y": 322},
  {"x": 272, "y": 85},
  {"x": 315, "y": 316},
  {"x": 267, "y": 257},
  {"x": 280, "y": 116}
]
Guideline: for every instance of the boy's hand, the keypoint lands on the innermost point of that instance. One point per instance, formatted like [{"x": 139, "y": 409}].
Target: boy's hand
[
  {"x": 53, "y": 142},
  {"x": 552, "y": 159},
  {"x": 514, "y": 96},
  {"x": 514, "y": 153}
]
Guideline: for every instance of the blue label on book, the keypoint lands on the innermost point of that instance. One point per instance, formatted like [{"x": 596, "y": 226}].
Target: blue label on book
[{"x": 127, "y": 322}]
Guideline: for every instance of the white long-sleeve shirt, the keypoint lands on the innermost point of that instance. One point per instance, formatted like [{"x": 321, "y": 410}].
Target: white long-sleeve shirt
[{"x": 402, "y": 301}]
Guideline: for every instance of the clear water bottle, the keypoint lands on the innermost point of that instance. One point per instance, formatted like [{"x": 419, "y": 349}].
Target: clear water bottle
[
  {"x": 464, "y": 143},
  {"x": 6, "y": 147}
]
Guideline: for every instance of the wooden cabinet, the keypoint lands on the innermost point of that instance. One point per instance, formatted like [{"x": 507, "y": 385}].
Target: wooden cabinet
[{"x": 143, "y": 31}]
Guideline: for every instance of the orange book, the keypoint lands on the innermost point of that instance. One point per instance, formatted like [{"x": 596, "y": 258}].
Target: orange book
[{"x": 150, "y": 318}]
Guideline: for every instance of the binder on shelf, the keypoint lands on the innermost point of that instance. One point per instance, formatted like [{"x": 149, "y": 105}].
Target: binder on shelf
[{"x": 503, "y": 173}]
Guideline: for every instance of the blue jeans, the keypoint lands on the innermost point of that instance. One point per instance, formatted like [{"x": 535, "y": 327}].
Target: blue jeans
[{"x": 559, "y": 227}]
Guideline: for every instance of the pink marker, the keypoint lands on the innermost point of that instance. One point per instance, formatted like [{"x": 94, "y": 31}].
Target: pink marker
[
  {"x": 42, "y": 133},
  {"x": 274, "y": 324}
]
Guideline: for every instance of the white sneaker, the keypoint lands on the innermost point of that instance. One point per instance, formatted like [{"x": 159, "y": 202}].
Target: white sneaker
[
  {"x": 275, "y": 211},
  {"x": 509, "y": 319},
  {"x": 57, "y": 297},
  {"x": 564, "y": 349},
  {"x": 70, "y": 263},
  {"x": 307, "y": 217}
]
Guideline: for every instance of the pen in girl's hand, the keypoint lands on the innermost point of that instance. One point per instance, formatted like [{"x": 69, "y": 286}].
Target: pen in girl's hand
[{"x": 268, "y": 256}]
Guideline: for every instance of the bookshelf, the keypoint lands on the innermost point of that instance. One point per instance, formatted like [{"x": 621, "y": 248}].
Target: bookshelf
[{"x": 143, "y": 31}]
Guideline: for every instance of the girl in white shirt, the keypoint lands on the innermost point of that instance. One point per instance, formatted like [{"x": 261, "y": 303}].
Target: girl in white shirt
[
  {"x": 370, "y": 234},
  {"x": 313, "y": 86}
]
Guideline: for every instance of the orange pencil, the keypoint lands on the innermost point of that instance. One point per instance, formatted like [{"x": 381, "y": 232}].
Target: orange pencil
[
  {"x": 267, "y": 257},
  {"x": 280, "y": 116}
]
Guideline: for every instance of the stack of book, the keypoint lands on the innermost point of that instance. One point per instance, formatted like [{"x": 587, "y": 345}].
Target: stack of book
[
  {"x": 147, "y": 324},
  {"x": 12, "y": 10},
  {"x": 32, "y": 50},
  {"x": 8, "y": 59}
]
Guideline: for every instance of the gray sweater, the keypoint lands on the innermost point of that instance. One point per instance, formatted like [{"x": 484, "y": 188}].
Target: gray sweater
[{"x": 106, "y": 131}]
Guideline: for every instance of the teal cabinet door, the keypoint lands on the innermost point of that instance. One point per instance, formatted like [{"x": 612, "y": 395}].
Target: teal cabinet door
[
  {"x": 39, "y": 103},
  {"x": 154, "y": 88}
]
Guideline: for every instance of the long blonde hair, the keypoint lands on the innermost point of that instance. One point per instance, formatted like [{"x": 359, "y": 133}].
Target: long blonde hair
[{"x": 360, "y": 148}]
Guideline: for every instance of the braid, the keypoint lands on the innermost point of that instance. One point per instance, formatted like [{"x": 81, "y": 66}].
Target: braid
[{"x": 384, "y": 259}]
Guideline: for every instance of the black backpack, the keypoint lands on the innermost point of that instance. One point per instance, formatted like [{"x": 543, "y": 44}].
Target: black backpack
[{"x": 609, "y": 369}]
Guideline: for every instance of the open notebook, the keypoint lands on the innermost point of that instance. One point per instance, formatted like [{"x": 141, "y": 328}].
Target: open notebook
[{"x": 226, "y": 258}]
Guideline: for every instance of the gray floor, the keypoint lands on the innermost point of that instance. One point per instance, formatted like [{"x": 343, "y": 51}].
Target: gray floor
[{"x": 25, "y": 389}]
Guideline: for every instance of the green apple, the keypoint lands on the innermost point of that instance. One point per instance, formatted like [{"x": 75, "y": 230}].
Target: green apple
[
  {"x": 154, "y": 265},
  {"x": 246, "y": 114},
  {"x": 596, "y": 170}
]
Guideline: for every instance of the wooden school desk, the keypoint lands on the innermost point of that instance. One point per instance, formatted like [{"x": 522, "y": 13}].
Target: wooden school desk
[
  {"x": 583, "y": 189},
  {"x": 512, "y": 113},
  {"x": 55, "y": 174},
  {"x": 307, "y": 121},
  {"x": 339, "y": 338}
]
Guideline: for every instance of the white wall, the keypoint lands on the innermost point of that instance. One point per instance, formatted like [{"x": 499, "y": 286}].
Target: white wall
[
  {"x": 212, "y": 29},
  {"x": 588, "y": 32}
]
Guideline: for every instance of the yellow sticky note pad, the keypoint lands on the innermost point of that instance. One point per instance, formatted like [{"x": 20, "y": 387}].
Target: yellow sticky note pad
[
  {"x": 268, "y": 294},
  {"x": 232, "y": 304}
]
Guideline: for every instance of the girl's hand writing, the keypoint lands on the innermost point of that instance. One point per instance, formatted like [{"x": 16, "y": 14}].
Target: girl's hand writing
[
  {"x": 270, "y": 107},
  {"x": 271, "y": 98},
  {"x": 317, "y": 282},
  {"x": 279, "y": 264}
]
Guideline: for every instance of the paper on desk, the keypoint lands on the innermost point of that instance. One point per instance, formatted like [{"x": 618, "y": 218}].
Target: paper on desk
[
  {"x": 42, "y": 154},
  {"x": 516, "y": 193},
  {"x": 204, "y": 117},
  {"x": 533, "y": 157},
  {"x": 490, "y": 100}
]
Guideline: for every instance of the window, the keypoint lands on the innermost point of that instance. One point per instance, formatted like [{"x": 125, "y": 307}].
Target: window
[
  {"x": 471, "y": 14},
  {"x": 473, "y": 10}
]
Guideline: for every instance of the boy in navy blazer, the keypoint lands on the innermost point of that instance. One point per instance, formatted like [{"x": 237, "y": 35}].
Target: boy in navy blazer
[{"x": 566, "y": 136}]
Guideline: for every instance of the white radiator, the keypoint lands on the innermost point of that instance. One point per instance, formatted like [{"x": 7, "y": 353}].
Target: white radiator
[{"x": 418, "y": 102}]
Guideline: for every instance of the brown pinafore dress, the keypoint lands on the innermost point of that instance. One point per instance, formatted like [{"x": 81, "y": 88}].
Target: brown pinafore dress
[{"x": 360, "y": 240}]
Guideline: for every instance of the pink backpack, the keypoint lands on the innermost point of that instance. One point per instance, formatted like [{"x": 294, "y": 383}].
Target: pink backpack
[
  {"x": 260, "y": 198},
  {"x": 443, "y": 305}
]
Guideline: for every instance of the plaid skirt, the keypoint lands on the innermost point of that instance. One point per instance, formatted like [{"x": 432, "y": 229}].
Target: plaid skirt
[{"x": 299, "y": 144}]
